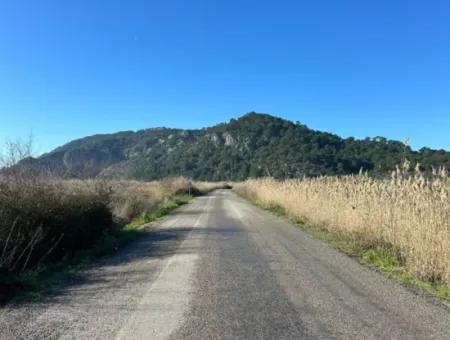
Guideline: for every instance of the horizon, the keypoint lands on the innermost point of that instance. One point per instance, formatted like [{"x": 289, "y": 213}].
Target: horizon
[{"x": 71, "y": 70}]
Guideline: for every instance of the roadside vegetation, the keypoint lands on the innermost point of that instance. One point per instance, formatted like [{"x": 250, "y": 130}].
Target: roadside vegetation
[
  {"x": 53, "y": 223},
  {"x": 401, "y": 224}
]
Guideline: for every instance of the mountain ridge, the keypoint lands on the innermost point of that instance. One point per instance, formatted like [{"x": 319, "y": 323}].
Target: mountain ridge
[{"x": 253, "y": 145}]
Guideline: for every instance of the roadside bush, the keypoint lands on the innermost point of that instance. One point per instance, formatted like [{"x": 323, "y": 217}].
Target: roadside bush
[
  {"x": 45, "y": 220},
  {"x": 48, "y": 220}
]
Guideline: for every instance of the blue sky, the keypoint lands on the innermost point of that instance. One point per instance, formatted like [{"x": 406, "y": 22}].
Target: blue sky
[{"x": 363, "y": 68}]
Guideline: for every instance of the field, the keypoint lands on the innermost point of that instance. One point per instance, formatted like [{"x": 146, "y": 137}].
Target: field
[
  {"x": 407, "y": 215},
  {"x": 47, "y": 221}
]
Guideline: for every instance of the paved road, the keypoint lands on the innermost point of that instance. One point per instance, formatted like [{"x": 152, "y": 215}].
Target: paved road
[{"x": 220, "y": 268}]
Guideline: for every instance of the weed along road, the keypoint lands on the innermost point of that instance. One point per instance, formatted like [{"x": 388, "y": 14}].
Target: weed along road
[{"x": 221, "y": 268}]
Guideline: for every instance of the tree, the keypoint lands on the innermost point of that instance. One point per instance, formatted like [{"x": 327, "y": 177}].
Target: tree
[{"x": 16, "y": 150}]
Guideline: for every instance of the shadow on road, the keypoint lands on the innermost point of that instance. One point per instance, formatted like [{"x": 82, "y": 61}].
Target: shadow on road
[{"x": 132, "y": 265}]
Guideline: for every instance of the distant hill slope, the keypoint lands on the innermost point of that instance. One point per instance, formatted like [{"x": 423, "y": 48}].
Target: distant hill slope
[{"x": 252, "y": 146}]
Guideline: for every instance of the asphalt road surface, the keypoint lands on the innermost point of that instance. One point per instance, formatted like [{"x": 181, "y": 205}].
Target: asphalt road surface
[{"x": 221, "y": 268}]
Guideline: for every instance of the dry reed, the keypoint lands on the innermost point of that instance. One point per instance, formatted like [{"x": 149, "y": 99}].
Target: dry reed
[{"x": 408, "y": 213}]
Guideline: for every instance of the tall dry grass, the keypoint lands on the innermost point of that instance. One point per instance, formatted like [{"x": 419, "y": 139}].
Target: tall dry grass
[
  {"x": 408, "y": 213},
  {"x": 131, "y": 198},
  {"x": 44, "y": 220}
]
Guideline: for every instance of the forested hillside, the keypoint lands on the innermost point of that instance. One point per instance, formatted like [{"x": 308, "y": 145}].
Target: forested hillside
[{"x": 254, "y": 145}]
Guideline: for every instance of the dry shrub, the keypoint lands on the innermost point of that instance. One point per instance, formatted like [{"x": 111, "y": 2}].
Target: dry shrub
[
  {"x": 205, "y": 187},
  {"x": 131, "y": 198},
  {"x": 409, "y": 213},
  {"x": 48, "y": 219},
  {"x": 180, "y": 185}
]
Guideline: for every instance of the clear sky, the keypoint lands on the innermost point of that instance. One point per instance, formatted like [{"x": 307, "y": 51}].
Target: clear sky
[{"x": 364, "y": 68}]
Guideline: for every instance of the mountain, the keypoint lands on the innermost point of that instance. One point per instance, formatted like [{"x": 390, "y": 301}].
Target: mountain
[{"x": 254, "y": 145}]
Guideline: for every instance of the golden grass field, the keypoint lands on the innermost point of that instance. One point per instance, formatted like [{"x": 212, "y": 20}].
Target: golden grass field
[{"x": 408, "y": 213}]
